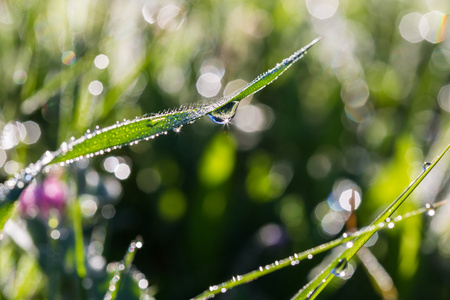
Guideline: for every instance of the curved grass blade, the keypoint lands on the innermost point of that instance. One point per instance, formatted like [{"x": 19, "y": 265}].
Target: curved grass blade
[
  {"x": 315, "y": 286},
  {"x": 308, "y": 254},
  {"x": 129, "y": 132}
]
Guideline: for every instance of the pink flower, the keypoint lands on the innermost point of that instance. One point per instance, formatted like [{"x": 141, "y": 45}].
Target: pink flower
[{"x": 44, "y": 198}]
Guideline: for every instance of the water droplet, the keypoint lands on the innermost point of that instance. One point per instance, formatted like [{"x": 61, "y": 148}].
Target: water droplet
[
  {"x": 340, "y": 268},
  {"x": 46, "y": 158},
  {"x": 310, "y": 256},
  {"x": 426, "y": 165},
  {"x": 391, "y": 225},
  {"x": 178, "y": 129},
  {"x": 224, "y": 114},
  {"x": 349, "y": 244},
  {"x": 430, "y": 209},
  {"x": 295, "y": 262}
]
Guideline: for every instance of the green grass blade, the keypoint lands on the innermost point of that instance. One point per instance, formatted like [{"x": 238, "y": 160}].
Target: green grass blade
[
  {"x": 308, "y": 254},
  {"x": 5, "y": 213},
  {"x": 79, "y": 244},
  {"x": 131, "y": 131},
  {"x": 315, "y": 286}
]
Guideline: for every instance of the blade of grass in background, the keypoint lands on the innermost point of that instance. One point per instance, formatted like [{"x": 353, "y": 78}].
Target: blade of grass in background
[
  {"x": 315, "y": 286},
  {"x": 79, "y": 244},
  {"x": 121, "y": 268},
  {"x": 57, "y": 82}
]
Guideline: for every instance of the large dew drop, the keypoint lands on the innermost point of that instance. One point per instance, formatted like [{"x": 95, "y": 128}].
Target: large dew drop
[
  {"x": 224, "y": 114},
  {"x": 341, "y": 268}
]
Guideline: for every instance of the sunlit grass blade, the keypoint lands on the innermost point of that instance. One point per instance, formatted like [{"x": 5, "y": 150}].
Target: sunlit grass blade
[
  {"x": 129, "y": 132},
  {"x": 315, "y": 286},
  {"x": 308, "y": 254}
]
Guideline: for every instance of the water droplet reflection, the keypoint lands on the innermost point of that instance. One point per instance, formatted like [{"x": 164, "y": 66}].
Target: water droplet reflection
[
  {"x": 430, "y": 209},
  {"x": 426, "y": 165},
  {"x": 224, "y": 114},
  {"x": 340, "y": 269}
]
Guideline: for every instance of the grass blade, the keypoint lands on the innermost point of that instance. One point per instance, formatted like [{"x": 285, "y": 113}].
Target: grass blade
[
  {"x": 315, "y": 286},
  {"x": 308, "y": 254},
  {"x": 128, "y": 132}
]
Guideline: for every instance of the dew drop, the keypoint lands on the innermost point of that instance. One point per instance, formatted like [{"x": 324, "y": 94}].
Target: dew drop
[
  {"x": 46, "y": 158},
  {"x": 340, "y": 268},
  {"x": 426, "y": 165},
  {"x": 224, "y": 114},
  {"x": 430, "y": 209},
  {"x": 178, "y": 129},
  {"x": 310, "y": 256},
  {"x": 261, "y": 269}
]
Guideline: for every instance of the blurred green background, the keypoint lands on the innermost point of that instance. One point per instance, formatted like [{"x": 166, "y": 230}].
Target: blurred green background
[{"x": 358, "y": 115}]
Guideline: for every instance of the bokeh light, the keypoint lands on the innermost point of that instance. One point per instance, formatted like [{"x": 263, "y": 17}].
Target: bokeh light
[
  {"x": 20, "y": 77},
  {"x": 172, "y": 205},
  {"x": 68, "y": 58},
  {"x": 171, "y": 79},
  {"x": 444, "y": 98},
  {"x": 95, "y": 88},
  {"x": 208, "y": 84},
  {"x": 409, "y": 27},
  {"x": 322, "y": 9},
  {"x": 101, "y": 61},
  {"x": 432, "y": 26},
  {"x": 148, "y": 180}
]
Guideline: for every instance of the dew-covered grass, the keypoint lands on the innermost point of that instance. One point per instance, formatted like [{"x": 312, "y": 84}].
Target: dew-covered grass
[{"x": 138, "y": 161}]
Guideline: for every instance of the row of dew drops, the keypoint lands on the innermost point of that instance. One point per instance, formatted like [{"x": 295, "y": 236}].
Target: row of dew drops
[
  {"x": 222, "y": 116},
  {"x": 219, "y": 111},
  {"x": 340, "y": 270}
]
